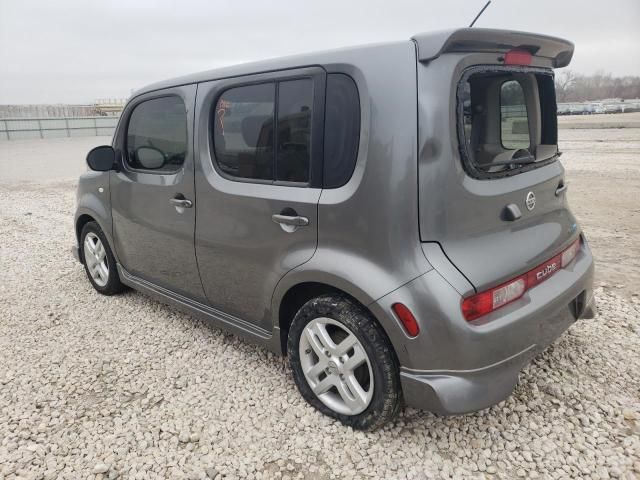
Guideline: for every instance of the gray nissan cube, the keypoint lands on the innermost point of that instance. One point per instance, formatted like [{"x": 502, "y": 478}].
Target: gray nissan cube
[{"x": 392, "y": 217}]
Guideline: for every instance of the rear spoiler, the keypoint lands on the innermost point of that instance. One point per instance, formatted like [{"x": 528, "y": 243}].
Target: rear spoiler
[{"x": 488, "y": 40}]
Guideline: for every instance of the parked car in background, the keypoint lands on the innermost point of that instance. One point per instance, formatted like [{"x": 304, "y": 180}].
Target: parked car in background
[
  {"x": 391, "y": 217},
  {"x": 612, "y": 108}
]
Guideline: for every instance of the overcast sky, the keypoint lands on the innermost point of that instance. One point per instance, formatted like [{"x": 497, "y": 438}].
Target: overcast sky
[{"x": 75, "y": 51}]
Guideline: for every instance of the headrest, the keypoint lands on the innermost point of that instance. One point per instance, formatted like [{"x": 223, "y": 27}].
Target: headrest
[{"x": 252, "y": 128}]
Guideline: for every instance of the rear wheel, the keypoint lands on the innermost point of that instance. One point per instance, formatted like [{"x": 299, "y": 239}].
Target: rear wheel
[
  {"x": 99, "y": 262},
  {"x": 343, "y": 364}
]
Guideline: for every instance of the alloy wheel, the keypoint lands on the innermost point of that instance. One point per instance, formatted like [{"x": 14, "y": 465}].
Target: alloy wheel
[
  {"x": 95, "y": 257},
  {"x": 336, "y": 366}
]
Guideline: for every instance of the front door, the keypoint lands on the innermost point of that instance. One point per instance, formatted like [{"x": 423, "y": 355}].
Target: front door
[
  {"x": 152, "y": 194},
  {"x": 259, "y": 148}
]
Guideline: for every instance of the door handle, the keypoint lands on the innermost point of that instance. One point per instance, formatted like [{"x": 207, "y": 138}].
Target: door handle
[
  {"x": 561, "y": 189},
  {"x": 181, "y": 202},
  {"x": 290, "y": 220}
]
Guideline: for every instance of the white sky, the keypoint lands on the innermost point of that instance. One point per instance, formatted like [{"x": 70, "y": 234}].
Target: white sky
[{"x": 75, "y": 51}]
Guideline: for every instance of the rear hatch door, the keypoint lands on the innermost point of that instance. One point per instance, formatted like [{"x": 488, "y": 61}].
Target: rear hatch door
[
  {"x": 489, "y": 249},
  {"x": 492, "y": 190}
]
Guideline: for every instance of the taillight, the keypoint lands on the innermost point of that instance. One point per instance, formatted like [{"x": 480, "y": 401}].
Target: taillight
[
  {"x": 486, "y": 302},
  {"x": 406, "y": 318},
  {"x": 490, "y": 300},
  {"x": 517, "y": 57}
]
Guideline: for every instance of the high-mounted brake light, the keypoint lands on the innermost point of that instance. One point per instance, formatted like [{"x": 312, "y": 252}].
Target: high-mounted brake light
[
  {"x": 406, "y": 318},
  {"x": 517, "y": 57},
  {"x": 486, "y": 302}
]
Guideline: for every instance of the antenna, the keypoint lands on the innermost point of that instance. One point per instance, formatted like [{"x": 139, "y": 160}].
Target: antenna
[{"x": 480, "y": 13}]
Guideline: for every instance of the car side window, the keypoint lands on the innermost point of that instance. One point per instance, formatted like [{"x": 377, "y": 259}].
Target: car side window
[
  {"x": 157, "y": 135},
  {"x": 295, "y": 101},
  {"x": 243, "y": 131},
  {"x": 244, "y": 135}
]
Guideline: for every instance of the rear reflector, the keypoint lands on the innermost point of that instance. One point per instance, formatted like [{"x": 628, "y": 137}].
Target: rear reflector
[
  {"x": 517, "y": 57},
  {"x": 486, "y": 302},
  {"x": 406, "y": 318}
]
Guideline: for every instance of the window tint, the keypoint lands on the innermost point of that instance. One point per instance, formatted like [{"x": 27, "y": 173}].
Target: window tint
[
  {"x": 514, "y": 124},
  {"x": 341, "y": 130},
  {"x": 243, "y": 131},
  {"x": 157, "y": 135},
  {"x": 295, "y": 99}
]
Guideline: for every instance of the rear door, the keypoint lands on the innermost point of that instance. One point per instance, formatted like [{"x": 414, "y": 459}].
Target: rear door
[
  {"x": 495, "y": 201},
  {"x": 152, "y": 194},
  {"x": 259, "y": 152}
]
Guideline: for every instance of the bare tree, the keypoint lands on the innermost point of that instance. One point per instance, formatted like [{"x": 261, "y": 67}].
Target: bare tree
[
  {"x": 564, "y": 82},
  {"x": 572, "y": 87}
]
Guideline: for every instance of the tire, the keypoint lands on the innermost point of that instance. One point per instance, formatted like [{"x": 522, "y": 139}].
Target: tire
[
  {"x": 379, "y": 396},
  {"x": 105, "y": 282}
]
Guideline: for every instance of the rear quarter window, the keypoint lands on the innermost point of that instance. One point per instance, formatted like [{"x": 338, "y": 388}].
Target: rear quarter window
[{"x": 341, "y": 131}]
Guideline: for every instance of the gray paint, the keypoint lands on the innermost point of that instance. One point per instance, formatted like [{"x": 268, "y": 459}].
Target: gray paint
[
  {"x": 367, "y": 227},
  {"x": 91, "y": 202},
  {"x": 433, "y": 44},
  {"x": 255, "y": 253},
  {"x": 153, "y": 239},
  {"x": 201, "y": 310},
  {"x": 410, "y": 226},
  {"x": 471, "y": 366},
  {"x": 466, "y": 217}
]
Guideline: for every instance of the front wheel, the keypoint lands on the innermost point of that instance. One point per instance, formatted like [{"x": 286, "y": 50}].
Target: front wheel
[
  {"x": 343, "y": 364},
  {"x": 99, "y": 262}
]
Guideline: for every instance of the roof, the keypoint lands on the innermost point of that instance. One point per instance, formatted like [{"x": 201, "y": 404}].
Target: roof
[
  {"x": 269, "y": 65},
  {"x": 429, "y": 46}
]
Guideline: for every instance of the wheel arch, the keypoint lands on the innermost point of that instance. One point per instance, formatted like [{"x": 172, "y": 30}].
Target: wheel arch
[
  {"x": 300, "y": 293},
  {"x": 86, "y": 215},
  {"x": 81, "y": 221}
]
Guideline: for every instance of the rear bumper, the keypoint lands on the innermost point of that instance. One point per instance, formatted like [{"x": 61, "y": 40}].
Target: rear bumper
[
  {"x": 457, "y": 392},
  {"x": 455, "y": 367}
]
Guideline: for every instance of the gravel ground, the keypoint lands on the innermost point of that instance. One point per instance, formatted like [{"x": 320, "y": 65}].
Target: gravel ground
[{"x": 95, "y": 387}]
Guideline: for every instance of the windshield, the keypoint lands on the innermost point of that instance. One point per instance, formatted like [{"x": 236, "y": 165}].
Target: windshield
[{"x": 506, "y": 120}]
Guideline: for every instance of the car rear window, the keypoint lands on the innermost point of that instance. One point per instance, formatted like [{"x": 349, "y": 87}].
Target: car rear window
[{"x": 506, "y": 120}]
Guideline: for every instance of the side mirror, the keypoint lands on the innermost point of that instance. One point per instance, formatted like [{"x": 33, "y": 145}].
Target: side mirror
[
  {"x": 101, "y": 159},
  {"x": 150, "y": 157}
]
